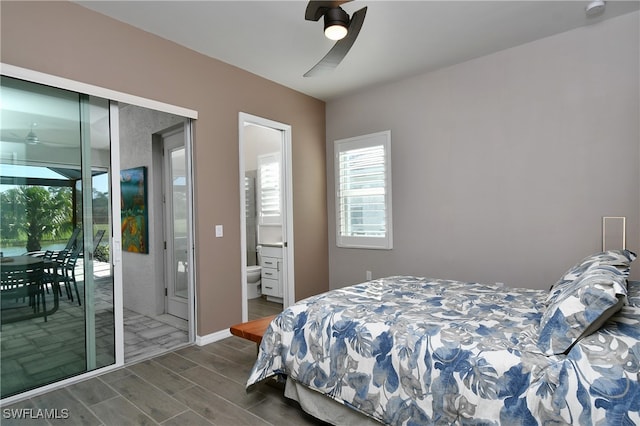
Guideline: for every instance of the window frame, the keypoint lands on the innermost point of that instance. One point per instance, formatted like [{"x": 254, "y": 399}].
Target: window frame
[
  {"x": 264, "y": 160},
  {"x": 365, "y": 141}
]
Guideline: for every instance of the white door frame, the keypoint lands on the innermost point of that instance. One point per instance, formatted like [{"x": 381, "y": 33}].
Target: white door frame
[
  {"x": 191, "y": 230},
  {"x": 287, "y": 218},
  {"x": 116, "y": 236},
  {"x": 168, "y": 220}
]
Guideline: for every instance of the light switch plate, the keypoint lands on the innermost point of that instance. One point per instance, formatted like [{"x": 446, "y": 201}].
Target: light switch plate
[{"x": 218, "y": 231}]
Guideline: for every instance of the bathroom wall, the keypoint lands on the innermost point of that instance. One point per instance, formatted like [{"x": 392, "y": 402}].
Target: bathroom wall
[
  {"x": 260, "y": 141},
  {"x": 251, "y": 216}
]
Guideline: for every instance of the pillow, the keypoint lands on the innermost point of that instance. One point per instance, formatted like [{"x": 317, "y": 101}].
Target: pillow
[
  {"x": 581, "y": 307},
  {"x": 621, "y": 259}
]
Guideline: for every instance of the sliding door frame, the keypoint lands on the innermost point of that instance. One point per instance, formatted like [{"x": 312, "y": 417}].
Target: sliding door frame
[{"x": 114, "y": 98}]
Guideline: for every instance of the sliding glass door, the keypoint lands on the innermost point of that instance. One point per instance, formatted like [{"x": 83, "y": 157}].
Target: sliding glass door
[{"x": 55, "y": 219}]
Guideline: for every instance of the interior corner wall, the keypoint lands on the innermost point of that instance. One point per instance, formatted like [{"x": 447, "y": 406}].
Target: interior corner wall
[
  {"x": 503, "y": 166},
  {"x": 70, "y": 41},
  {"x": 143, "y": 273}
]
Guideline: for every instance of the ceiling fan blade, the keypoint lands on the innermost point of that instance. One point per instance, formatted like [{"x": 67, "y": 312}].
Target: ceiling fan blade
[
  {"x": 13, "y": 137},
  {"x": 58, "y": 145},
  {"x": 317, "y": 9},
  {"x": 341, "y": 48}
]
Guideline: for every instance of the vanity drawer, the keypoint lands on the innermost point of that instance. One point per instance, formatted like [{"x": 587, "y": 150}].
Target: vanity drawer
[
  {"x": 270, "y": 262},
  {"x": 271, "y": 287},
  {"x": 269, "y": 274}
]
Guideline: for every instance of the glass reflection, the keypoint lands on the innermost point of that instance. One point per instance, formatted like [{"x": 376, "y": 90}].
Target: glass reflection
[{"x": 44, "y": 222}]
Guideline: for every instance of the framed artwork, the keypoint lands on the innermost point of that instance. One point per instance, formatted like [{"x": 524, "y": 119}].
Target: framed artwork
[{"x": 134, "y": 211}]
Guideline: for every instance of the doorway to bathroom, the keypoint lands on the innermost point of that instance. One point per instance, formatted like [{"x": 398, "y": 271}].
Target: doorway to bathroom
[{"x": 266, "y": 216}]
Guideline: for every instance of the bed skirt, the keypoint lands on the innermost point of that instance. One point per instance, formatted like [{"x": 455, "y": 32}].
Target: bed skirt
[{"x": 323, "y": 408}]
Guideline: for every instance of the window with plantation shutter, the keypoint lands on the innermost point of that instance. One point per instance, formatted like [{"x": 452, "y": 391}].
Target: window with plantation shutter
[
  {"x": 363, "y": 191},
  {"x": 269, "y": 212}
]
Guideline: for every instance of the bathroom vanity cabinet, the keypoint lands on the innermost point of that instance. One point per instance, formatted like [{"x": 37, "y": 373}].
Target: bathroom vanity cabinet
[{"x": 272, "y": 273}]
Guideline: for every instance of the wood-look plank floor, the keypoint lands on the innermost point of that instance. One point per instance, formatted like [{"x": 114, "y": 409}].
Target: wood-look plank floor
[
  {"x": 194, "y": 385},
  {"x": 260, "y": 307}
]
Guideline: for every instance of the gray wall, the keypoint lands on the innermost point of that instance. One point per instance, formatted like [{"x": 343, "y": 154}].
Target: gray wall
[{"x": 503, "y": 166}]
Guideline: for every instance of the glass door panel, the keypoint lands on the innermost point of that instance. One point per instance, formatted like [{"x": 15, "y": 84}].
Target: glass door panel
[
  {"x": 54, "y": 198},
  {"x": 176, "y": 225},
  {"x": 179, "y": 198},
  {"x": 97, "y": 267}
]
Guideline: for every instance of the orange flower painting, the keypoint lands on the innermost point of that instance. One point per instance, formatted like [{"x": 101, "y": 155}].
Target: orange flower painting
[{"x": 133, "y": 187}]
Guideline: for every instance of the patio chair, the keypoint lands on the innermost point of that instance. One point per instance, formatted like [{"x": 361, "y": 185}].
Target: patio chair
[
  {"x": 54, "y": 275},
  {"x": 68, "y": 276},
  {"x": 48, "y": 271},
  {"x": 97, "y": 239},
  {"x": 71, "y": 243},
  {"x": 21, "y": 293}
]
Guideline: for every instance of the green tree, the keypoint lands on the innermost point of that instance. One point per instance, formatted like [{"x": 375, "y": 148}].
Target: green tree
[
  {"x": 100, "y": 207},
  {"x": 11, "y": 204},
  {"x": 34, "y": 212},
  {"x": 62, "y": 202}
]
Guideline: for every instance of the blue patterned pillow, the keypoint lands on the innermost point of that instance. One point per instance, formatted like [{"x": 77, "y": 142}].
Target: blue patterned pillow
[
  {"x": 621, "y": 259},
  {"x": 581, "y": 307}
]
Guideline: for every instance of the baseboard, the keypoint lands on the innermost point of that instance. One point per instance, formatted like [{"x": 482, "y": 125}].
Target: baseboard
[{"x": 213, "y": 337}]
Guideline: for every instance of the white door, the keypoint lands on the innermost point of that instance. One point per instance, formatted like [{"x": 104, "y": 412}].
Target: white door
[{"x": 176, "y": 224}]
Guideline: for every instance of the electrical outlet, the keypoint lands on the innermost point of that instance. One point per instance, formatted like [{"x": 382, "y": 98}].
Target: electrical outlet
[{"x": 368, "y": 273}]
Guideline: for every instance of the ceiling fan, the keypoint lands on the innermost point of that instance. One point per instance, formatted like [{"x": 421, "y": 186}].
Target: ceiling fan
[
  {"x": 32, "y": 138},
  {"x": 337, "y": 26}
]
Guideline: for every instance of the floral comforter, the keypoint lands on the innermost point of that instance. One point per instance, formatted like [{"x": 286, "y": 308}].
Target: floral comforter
[{"x": 407, "y": 350}]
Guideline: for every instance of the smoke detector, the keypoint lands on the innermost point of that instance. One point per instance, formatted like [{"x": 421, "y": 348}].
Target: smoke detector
[{"x": 595, "y": 8}]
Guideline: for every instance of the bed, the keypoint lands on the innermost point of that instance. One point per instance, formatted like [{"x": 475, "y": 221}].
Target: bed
[{"x": 407, "y": 350}]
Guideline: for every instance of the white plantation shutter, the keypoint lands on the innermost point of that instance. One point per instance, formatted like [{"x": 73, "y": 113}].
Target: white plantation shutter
[
  {"x": 363, "y": 191},
  {"x": 269, "y": 204}
]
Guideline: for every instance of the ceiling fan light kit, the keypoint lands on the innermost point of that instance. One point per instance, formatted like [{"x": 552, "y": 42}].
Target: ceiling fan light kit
[
  {"x": 31, "y": 138},
  {"x": 337, "y": 26},
  {"x": 336, "y": 21}
]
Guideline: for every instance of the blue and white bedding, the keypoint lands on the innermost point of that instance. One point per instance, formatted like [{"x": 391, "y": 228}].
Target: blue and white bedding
[{"x": 409, "y": 350}]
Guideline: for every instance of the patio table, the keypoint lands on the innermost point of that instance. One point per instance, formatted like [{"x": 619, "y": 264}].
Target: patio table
[{"x": 24, "y": 263}]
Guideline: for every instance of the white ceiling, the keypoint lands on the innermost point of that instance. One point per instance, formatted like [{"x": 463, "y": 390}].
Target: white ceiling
[
  {"x": 273, "y": 40},
  {"x": 398, "y": 39}
]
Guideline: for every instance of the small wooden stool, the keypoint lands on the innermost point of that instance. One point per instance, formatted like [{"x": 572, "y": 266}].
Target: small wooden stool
[{"x": 252, "y": 330}]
